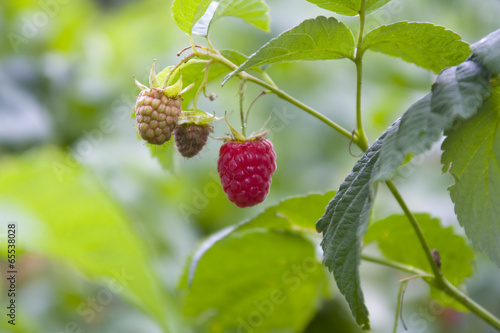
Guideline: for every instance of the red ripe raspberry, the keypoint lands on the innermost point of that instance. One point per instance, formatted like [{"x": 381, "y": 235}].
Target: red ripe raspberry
[{"x": 245, "y": 169}]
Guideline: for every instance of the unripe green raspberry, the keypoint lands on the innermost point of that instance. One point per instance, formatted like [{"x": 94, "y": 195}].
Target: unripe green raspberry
[
  {"x": 156, "y": 115},
  {"x": 190, "y": 138}
]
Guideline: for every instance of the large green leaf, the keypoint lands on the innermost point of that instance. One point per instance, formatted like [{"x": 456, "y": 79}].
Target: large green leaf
[
  {"x": 256, "y": 280},
  {"x": 314, "y": 39},
  {"x": 398, "y": 241},
  {"x": 296, "y": 213},
  {"x": 423, "y": 44},
  {"x": 79, "y": 225},
  {"x": 349, "y": 7},
  {"x": 458, "y": 93},
  {"x": 344, "y": 224},
  {"x": 187, "y": 12},
  {"x": 487, "y": 52},
  {"x": 254, "y": 12},
  {"x": 472, "y": 149},
  {"x": 413, "y": 136}
]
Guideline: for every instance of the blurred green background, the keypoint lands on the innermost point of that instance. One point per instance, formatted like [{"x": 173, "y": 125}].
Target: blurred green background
[{"x": 69, "y": 156}]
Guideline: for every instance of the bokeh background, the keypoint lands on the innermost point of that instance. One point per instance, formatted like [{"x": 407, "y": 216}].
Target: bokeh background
[{"x": 66, "y": 97}]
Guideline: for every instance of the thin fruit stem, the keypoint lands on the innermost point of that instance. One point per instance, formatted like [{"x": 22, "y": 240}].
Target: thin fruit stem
[
  {"x": 184, "y": 60},
  {"x": 399, "y": 306},
  {"x": 262, "y": 93},
  {"x": 396, "y": 265},
  {"x": 358, "y": 60},
  {"x": 202, "y": 85},
  {"x": 241, "y": 92}
]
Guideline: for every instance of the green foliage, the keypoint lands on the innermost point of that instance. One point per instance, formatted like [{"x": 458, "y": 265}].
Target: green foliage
[
  {"x": 79, "y": 225},
  {"x": 349, "y": 7},
  {"x": 423, "y": 44},
  {"x": 314, "y": 39},
  {"x": 458, "y": 93},
  {"x": 344, "y": 224},
  {"x": 274, "y": 276},
  {"x": 187, "y": 12},
  {"x": 270, "y": 256},
  {"x": 254, "y": 12},
  {"x": 472, "y": 149},
  {"x": 398, "y": 241},
  {"x": 414, "y": 134},
  {"x": 487, "y": 52}
]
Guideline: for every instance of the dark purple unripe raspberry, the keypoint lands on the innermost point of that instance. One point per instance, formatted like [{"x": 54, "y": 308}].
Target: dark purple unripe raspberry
[
  {"x": 156, "y": 115},
  {"x": 190, "y": 138},
  {"x": 245, "y": 169}
]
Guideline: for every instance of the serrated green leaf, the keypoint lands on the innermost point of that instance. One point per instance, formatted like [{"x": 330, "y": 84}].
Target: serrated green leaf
[
  {"x": 349, "y": 7},
  {"x": 487, "y": 52},
  {"x": 254, "y": 12},
  {"x": 314, "y": 39},
  {"x": 423, "y": 44},
  {"x": 187, "y": 12},
  {"x": 398, "y": 241},
  {"x": 473, "y": 151},
  {"x": 344, "y": 224},
  {"x": 414, "y": 135},
  {"x": 458, "y": 93},
  {"x": 78, "y": 224},
  {"x": 272, "y": 273}
]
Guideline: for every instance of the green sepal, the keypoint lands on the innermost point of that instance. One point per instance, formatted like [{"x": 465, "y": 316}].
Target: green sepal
[
  {"x": 175, "y": 89},
  {"x": 139, "y": 85},
  {"x": 236, "y": 136},
  {"x": 153, "y": 82}
]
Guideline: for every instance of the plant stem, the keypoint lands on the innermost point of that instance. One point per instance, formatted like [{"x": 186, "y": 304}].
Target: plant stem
[
  {"x": 202, "y": 85},
  {"x": 283, "y": 95},
  {"x": 241, "y": 92},
  {"x": 399, "y": 306},
  {"x": 358, "y": 60},
  {"x": 184, "y": 60}
]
